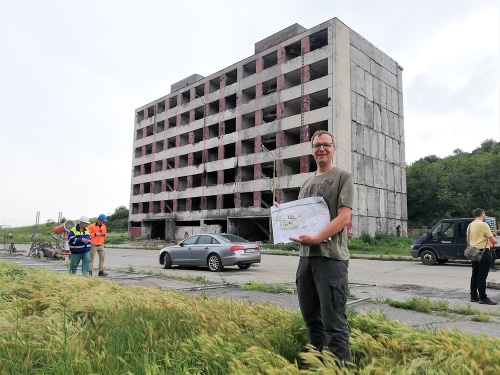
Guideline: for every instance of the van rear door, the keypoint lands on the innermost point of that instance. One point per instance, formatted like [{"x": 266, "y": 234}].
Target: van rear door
[{"x": 461, "y": 231}]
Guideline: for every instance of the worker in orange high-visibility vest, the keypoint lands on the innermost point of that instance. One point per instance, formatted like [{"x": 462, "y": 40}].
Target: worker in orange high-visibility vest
[{"x": 97, "y": 235}]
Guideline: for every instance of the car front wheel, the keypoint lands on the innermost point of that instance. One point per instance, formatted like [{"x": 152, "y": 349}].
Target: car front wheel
[
  {"x": 214, "y": 263},
  {"x": 167, "y": 264},
  {"x": 428, "y": 257}
]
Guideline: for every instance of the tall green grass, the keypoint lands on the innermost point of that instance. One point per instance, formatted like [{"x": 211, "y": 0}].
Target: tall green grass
[{"x": 66, "y": 324}]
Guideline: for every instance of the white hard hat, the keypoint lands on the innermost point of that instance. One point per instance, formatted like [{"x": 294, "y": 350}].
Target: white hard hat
[{"x": 84, "y": 219}]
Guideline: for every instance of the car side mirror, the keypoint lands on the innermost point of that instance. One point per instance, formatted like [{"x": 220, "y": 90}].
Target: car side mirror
[{"x": 181, "y": 243}]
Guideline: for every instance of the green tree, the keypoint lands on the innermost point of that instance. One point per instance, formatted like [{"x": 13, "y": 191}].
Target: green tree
[{"x": 118, "y": 220}]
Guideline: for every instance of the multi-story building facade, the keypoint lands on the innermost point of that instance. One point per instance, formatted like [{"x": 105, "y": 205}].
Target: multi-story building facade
[{"x": 214, "y": 153}]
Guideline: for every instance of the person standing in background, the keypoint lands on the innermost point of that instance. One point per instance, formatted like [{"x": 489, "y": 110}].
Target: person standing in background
[
  {"x": 479, "y": 235},
  {"x": 492, "y": 249},
  {"x": 98, "y": 234},
  {"x": 79, "y": 245}
]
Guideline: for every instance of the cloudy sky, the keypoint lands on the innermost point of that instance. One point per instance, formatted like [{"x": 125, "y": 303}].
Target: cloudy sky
[{"x": 73, "y": 73}]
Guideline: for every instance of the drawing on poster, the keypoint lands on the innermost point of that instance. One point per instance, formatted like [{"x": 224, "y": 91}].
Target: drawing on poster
[{"x": 302, "y": 216}]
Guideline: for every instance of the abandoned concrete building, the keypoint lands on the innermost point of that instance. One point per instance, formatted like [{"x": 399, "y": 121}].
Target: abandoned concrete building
[{"x": 214, "y": 153}]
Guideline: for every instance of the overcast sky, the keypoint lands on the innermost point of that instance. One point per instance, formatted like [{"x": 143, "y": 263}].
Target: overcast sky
[{"x": 73, "y": 73}]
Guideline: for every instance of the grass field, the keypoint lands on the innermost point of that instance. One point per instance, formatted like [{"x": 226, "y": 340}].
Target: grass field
[{"x": 62, "y": 324}]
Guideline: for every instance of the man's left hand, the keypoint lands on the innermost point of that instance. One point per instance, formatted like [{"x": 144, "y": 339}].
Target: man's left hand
[{"x": 306, "y": 240}]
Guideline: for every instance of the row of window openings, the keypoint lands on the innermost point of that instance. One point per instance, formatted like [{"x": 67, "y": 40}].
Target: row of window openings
[
  {"x": 228, "y": 202},
  {"x": 290, "y": 167},
  {"x": 292, "y": 107},
  {"x": 290, "y": 137},
  {"x": 317, "y": 70}
]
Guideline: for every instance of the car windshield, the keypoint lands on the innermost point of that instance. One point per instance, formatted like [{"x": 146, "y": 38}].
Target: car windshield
[{"x": 231, "y": 238}]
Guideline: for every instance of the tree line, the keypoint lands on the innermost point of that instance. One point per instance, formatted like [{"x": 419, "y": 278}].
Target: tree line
[{"x": 454, "y": 185}]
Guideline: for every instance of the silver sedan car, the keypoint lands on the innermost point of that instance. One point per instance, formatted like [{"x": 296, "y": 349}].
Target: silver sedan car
[{"x": 212, "y": 250}]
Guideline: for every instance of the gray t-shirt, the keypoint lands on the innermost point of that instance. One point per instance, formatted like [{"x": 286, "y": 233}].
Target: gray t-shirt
[{"x": 337, "y": 189}]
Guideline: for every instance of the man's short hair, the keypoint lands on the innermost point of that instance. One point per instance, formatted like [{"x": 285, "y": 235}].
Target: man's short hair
[
  {"x": 317, "y": 133},
  {"x": 477, "y": 212}
]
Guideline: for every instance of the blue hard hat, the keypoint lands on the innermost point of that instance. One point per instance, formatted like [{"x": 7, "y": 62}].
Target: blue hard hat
[
  {"x": 102, "y": 217},
  {"x": 487, "y": 222}
]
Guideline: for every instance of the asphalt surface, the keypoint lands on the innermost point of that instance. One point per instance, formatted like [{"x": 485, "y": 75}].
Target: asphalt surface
[{"x": 370, "y": 280}]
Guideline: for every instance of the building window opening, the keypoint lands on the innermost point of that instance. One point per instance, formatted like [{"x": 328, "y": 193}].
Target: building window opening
[
  {"x": 197, "y": 158},
  {"x": 136, "y": 189},
  {"x": 184, "y": 139},
  {"x": 156, "y": 207},
  {"x": 270, "y": 60},
  {"x": 228, "y": 201},
  {"x": 211, "y": 178},
  {"x": 248, "y": 95},
  {"x": 161, "y": 107},
  {"x": 246, "y": 200},
  {"x": 172, "y": 122},
  {"x": 169, "y": 206},
  {"x": 145, "y": 207},
  {"x": 146, "y": 188},
  {"x": 292, "y": 79},
  {"x": 137, "y": 170},
  {"x": 213, "y": 131},
  {"x": 268, "y": 87},
  {"x": 315, "y": 126},
  {"x": 319, "y": 39},
  {"x": 183, "y": 161},
  {"x": 318, "y": 100},
  {"x": 231, "y": 77},
  {"x": 292, "y": 51},
  {"x": 312, "y": 164},
  {"x": 213, "y": 154},
  {"x": 169, "y": 184},
  {"x": 151, "y": 111},
  {"x": 149, "y": 131},
  {"x": 267, "y": 169},
  {"x": 157, "y": 187},
  {"x": 290, "y": 194},
  {"x": 171, "y": 142},
  {"x": 249, "y": 69},
  {"x": 291, "y": 166},
  {"x": 293, "y": 107},
  {"x": 214, "y": 84},
  {"x": 195, "y": 204},
  {"x": 229, "y": 151},
  {"x": 230, "y": 126},
  {"x": 230, "y": 101},
  {"x": 197, "y": 180},
  {"x": 160, "y": 126},
  {"x": 170, "y": 163},
  {"x": 266, "y": 199},
  {"x": 291, "y": 137},
  {"x": 139, "y": 116},
  {"x": 229, "y": 176},
  {"x": 211, "y": 202},
  {"x": 181, "y": 205},
  {"x": 138, "y": 152},
  {"x": 182, "y": 183},
  {"x": 318, "y": 69},
  {"x": 138, "y": 134},
  {"x": 172, "y": 102},
  {"x": 213, "y": 107},
  {"x": 198, "y": 135},
  {"x": 269, "y": 114},
  {"x": 158, "y": 166},
  {"x": 200, "y": 90},
  {"x": 199, "y": 113},
  {"x": 269, "y": 141},
  {"x": 147, "y": 168},
  {"x": 135, "y": 208},
  {"x": 148, "y": 149},
  {"x": 248, "y": 120},
  {"x": 159, "y": 146},
  {"x": 247, "y": 146},
  {"x": 185, "y": 118},
  {"x": 247, "y": 173},
  {"x": 185, "y": 97}
]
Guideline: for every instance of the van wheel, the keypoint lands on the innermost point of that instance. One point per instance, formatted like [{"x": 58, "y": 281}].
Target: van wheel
[
  {"x": 442, "y": 261},
  {"x": 428, "y": 257}
]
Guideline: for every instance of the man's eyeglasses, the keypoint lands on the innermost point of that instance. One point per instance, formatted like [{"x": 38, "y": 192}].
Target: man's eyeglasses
[{"x": 326, "y": 146}]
